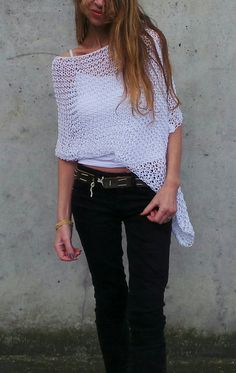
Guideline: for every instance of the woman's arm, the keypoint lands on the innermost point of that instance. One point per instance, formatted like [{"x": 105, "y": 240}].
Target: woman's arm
[
  {"x": 174, "y": 155},
  {"x": 64, "y": 191},
  {"x": 165, "y": 198},
  {"x": 63, "y": 245},
  {"x": 63, "y": 77}
]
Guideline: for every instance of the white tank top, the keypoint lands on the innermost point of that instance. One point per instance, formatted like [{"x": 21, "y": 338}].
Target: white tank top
[{"x": 104, "y": 160}]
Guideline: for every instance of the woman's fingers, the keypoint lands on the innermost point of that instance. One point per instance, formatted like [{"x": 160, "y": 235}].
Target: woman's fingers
[
  {"x": 65, "y": 251},
  {"x": 162, "y": 208},
  {"x": 160, "y": 216},
  {"x": 69, "y": 248},
  {"x": 154, "y": 204},
  {"x": 62, "y": 253},
  {"x": 156, "y": 215},
  {"x": 63, "y": 246}
]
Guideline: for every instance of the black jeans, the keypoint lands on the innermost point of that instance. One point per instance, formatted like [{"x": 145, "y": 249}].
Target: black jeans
[{"x": 129, "y": 318}]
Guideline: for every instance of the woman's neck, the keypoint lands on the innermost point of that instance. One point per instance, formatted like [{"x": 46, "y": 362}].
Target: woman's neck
[{"x": 97, "y": 37}]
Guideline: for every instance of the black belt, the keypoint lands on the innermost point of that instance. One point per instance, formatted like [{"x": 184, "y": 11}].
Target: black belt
[{"x": 118, "y": 181}]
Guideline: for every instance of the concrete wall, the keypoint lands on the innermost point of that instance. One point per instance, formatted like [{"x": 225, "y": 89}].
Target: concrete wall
[{"x": 38, "y": 290}]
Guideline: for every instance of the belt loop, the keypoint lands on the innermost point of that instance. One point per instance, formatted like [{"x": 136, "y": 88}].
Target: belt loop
[
  {"x": 75, "y": 170},
  {"x": 91, "y": 187}
]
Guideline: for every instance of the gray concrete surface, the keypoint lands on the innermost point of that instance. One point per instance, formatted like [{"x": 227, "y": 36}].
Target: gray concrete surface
[
  {"x": 94, "y": 364},
  {"x": 73, "y": 352},
  {"x": 36, "y": 289}
]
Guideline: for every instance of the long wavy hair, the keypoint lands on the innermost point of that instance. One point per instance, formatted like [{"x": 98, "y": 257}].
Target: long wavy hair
[{"x": 128, "y": 49}]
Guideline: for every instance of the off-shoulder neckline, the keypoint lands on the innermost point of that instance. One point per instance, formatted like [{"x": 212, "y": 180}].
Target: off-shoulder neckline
[{"x": 84, "y": 55}]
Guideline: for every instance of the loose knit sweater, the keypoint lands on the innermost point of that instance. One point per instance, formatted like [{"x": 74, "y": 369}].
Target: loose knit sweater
[{"x": 91, "y": 124}]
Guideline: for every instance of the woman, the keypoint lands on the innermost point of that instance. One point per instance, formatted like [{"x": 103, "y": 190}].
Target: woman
[{"x": 119, "y": 153}]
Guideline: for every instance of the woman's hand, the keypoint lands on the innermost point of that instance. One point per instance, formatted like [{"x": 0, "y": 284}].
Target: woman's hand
[
  {"x": 163, "y": 206},
  {"x": 63, "y": 246}
]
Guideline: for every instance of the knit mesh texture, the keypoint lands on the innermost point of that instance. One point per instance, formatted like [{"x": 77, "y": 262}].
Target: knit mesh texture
[{"x": 92, "y": 121}]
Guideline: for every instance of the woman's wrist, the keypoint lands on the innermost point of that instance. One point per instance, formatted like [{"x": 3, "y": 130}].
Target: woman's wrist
[
  {"x": 172, "y": 182},
  {"x": 62, "y": 217},
  {"x": 64, "y": 214},
  {"x": 62, "y": 222}
]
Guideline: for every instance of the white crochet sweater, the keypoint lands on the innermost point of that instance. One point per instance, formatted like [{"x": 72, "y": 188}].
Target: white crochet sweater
[{"x": 87, "y": 93}]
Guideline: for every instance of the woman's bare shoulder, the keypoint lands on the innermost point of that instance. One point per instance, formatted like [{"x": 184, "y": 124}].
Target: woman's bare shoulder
[
  {"x": 75, "y": 52},
  {"x": 80, "y": 50},
  {"x": 65, "y": 54}
]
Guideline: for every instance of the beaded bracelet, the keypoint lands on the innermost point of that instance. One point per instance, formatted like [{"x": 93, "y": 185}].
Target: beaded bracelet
[{"x": 62, "y": 222}]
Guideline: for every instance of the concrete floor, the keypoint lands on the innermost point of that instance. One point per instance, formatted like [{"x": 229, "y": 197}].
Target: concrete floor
[
  {"x": 78, "y": 352},
  {"x": 73, "y": 364}
]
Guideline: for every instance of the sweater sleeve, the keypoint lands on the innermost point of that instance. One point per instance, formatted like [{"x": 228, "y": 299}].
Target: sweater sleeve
[
  {"x": 62, "y": 77},
  {"x": 175, "y": 116}
]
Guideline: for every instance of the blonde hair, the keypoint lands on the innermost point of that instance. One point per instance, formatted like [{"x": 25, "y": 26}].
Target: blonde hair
[{"x": 128, "y": 49}]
